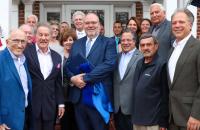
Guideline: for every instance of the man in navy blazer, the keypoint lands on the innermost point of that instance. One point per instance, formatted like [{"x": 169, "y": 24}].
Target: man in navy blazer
[
  {"x": 15, "y": 87},
  {"x": 44, "y": 66},
  {"x": 102, "y": 55}
]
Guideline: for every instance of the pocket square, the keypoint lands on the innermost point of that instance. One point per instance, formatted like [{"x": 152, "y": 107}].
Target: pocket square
[
  {"x": 147, "y": 74},
  {"x": 58, "y": 66}
]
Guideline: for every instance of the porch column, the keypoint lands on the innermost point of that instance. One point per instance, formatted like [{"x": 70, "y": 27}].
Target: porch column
[
  {"x": 5, "y": 9},
  {"x": 170, "y": 6},
  {"x": 28, "y": 10}
]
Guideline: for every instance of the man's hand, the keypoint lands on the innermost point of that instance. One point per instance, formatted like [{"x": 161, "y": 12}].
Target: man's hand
[
  {"x": 161, "y": 128},
  {"x": 4, "y": 127},
  {"x": 77, "y": 80},
  {"x": 193, "y": 124},
  {"x": 61, "y": 111}
]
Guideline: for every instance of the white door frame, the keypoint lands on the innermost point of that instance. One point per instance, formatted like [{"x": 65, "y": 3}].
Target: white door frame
[{"x": 107, "y": 14}]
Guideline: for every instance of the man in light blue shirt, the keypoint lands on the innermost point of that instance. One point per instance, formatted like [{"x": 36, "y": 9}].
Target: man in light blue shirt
[
  {"x": 15, "y": 87},
  {"x": 123, "y": 81}
]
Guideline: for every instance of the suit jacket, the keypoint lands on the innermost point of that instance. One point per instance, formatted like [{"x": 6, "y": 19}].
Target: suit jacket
[
  {"x": 123, "y": 88},
  {"x": 47, "y": 94},
  {"x": 12, "y": 96},
  {"x": 165, "y": 38},
  {"x": 102, "y": 56},
  {"x": 185, "y": 88}
]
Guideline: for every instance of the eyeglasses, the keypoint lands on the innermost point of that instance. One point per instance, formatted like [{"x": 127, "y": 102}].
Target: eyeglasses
[{"x": 17, "y": 41}]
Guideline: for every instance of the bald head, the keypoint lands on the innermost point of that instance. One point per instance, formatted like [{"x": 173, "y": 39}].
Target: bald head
[
  {"x": 92, "y": 25},
  {"x": 28, "y": 31}
]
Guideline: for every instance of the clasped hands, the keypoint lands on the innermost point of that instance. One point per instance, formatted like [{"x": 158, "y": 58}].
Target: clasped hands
[
  {"x": 193, "y": 124},
  {"x": 4, "y": 127},
  {"x": 78, "y": 81}
]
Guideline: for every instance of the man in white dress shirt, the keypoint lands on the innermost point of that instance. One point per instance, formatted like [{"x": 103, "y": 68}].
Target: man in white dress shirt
[
  {"x": 78, "y": 19},
  {"x": 184, "y": 74},
  {"x": 45, "y": 69}
]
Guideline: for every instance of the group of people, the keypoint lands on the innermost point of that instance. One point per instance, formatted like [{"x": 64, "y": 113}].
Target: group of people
[{"x": 145, "y": 77}]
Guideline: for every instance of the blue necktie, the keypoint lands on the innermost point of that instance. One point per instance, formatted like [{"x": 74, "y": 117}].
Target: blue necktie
[{"x": 88, "y": 46}]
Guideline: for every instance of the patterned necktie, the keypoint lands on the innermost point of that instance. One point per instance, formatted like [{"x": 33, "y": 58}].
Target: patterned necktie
[{"x": 88, "y": 46}]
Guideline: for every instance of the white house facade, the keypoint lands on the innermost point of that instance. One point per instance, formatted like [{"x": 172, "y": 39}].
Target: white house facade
[{"x": 14, "y": 12}]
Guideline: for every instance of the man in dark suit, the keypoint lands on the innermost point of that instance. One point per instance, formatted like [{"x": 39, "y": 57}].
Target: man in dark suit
[
  {"x": 123, "y": 81},
  {"x": 117, "y": 30},
  {"x": 45, "y": 69},
  {"x": 101, "y": 54},
  {"x": 184, "y": 74},
  {"x": 161, "y": 28},
  {"x": 150, "y": 100},
  {"x": 15, "y": 87}
]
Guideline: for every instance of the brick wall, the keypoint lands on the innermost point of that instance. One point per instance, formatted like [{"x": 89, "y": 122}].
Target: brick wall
[
  {"x": 36, "y": 11},
  {"x": 139, "y": 10},
  {"x": 21, "y": 13},
  {"x": 198, "y": 23}
]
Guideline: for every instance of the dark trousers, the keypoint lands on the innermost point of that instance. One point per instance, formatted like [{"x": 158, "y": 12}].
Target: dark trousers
[
  {"x": 27, "y": 121},
  {"x": 68, "y": 121},
  {"x": 88, "y": 118},
  {"x": 40, "y": 124},
  {"x": 173, "y": 126},
  {"x": 122, "y": 121}
]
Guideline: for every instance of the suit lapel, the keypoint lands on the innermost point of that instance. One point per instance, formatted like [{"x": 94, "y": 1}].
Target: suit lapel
[
  {"x": 184, "y": 55},
  {"x": 168, "y": 77},
  {"x": 29, "y": 83},
  {"x": 82, "y": 44},
  {"x": 131, "y": 62},
  {"x": 118, "y": 62},
  {"x": 35, "y": 59},
  {"x": 95, "y": 45},
  {"x": 12, "y": 67},
  {"x": 54, "y": 63}
]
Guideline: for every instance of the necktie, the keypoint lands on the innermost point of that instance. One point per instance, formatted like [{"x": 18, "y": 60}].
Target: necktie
[
  {"x": 88, "y": 46},
  {"x": 117, "y": 41}
]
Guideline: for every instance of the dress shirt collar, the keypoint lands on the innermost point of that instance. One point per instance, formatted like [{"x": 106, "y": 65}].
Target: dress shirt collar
[
  {"x": 93, "y": 39},
  {"x": 130, "y": 52},
  {"x": 40, "y": 51},
  {"x": 20, "y": 59},
  {"x": 157, "y": 26},
  {"x": 182, "y": 42},
  {"x": 80, "y": 32}
]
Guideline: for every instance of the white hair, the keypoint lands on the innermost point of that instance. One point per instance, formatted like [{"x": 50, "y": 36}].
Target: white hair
[
  {"x": 159, "y": 5},
  {"x": 34, "y": 16},
  {"x": 78, "y": 13}
]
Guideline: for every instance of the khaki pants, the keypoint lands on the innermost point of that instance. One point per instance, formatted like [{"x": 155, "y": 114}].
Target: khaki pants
[{"x": 141, "y": 127}]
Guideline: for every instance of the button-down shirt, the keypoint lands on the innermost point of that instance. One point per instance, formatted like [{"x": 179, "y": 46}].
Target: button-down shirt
[
  {"x": 92, "y": 41},
  {"x": 124, "y": 60},
  {"x": 178, "y": 48},
  {"x": 80, "y": 34},
  {"x": 45, "y": 61},
  {"x": 156, "y": 28},
  {"x": 19, "y": 64}
]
